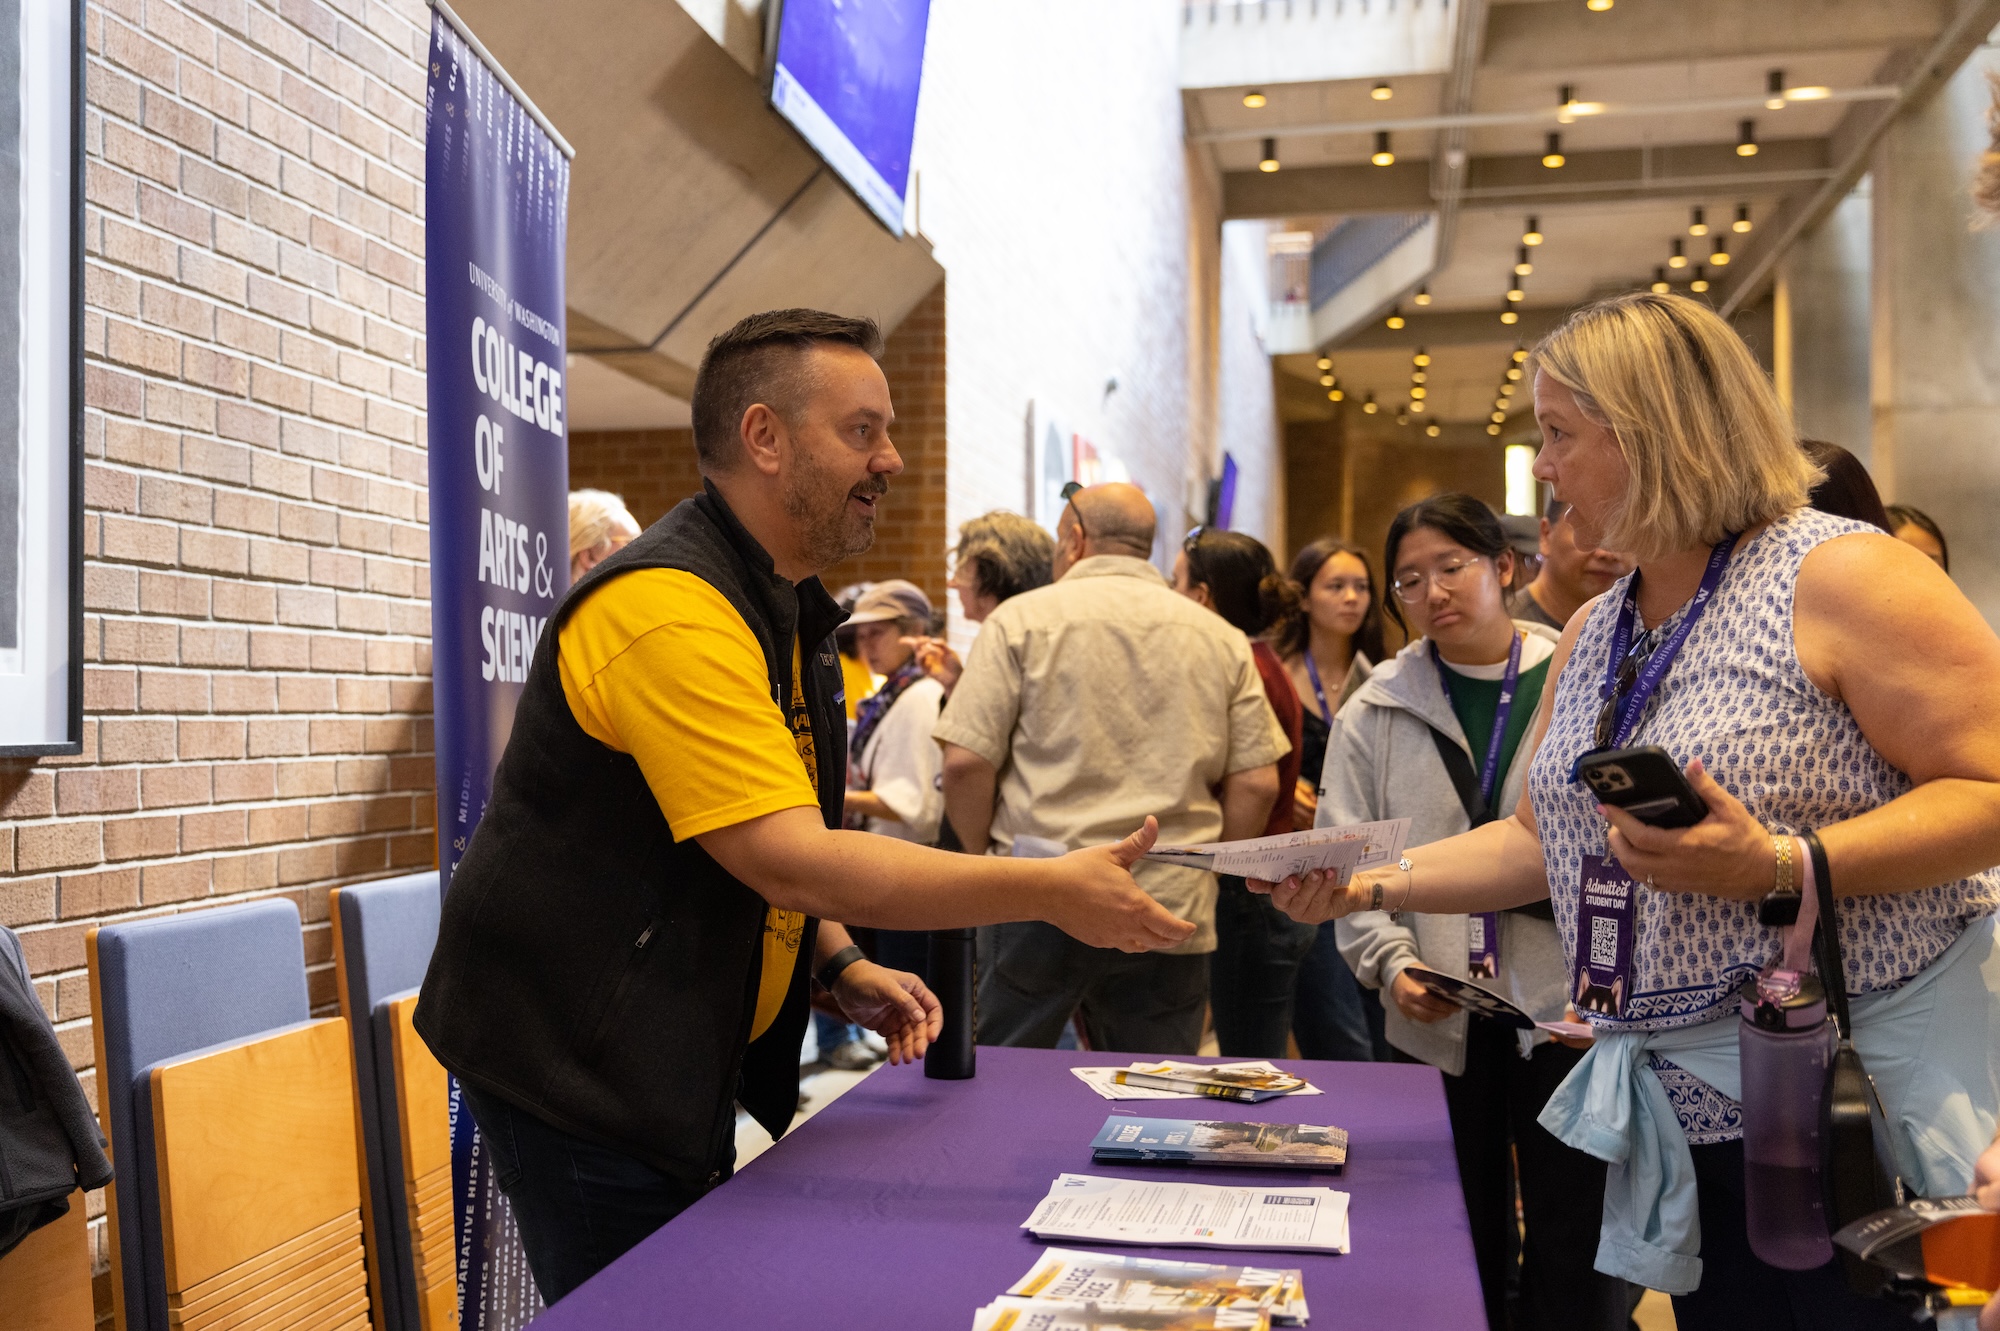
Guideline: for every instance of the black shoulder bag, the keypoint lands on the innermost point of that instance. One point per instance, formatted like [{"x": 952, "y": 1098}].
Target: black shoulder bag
[{"x": 1857, "y": 1155}]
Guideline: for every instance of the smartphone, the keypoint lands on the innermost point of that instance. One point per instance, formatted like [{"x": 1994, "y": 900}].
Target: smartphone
[{"x": 1645, "y": 782}]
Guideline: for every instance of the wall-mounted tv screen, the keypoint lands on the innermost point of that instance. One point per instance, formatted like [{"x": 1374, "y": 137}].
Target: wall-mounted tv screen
[{"x": 845, "y": 73}]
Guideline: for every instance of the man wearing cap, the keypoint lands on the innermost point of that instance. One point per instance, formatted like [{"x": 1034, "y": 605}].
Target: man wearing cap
[{"x": 625, "y": 948}]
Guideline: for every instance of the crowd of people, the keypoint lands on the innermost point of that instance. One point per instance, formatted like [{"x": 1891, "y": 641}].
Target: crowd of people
[{"x": 1699, "y": 579}]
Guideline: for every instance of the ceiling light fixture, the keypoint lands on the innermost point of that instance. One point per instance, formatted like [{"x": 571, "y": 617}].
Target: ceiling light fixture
[
  {"x": 1423, "y": 296},
  {"x": 1336, "y": 395},
  {"x": 1515, "y": 295},
  {"x": 1417, "y": 392},
  {"x": 1402, "y": 418},
  {"x": 1433, "y": 429},
  {"x": 1522, "y": 265},
  {"x": 1497, "y": 417},
  {"x": 1569, "y": 108},
  {"x": 1775, "y": 86},
  {"x": 1382, "y": 92},
  {"x": 1660, "y": 287},
  {"x": 1326, "y": 381},
  {"x": 1422, "y": 358},
  {"x": 1382, "y": 156},
  {"x": 1419, "y": 377},
  {"x": 1553, "y": 157},
  {"x": 1494, "y": 429},
  {"x": 1509, "y": 317},
  {"x": 1533, "y": 235},
  {"x": 1700, "y": 283},
  {"x": 1369, "y": 406},
  {"x": 1513, "y": 373},
  {"x": 1269, "y": 160},
  {"x": 1520, "y": 354},
  {"x": 1746, "y": 139},
  {"x": 1698, "y": 225},
  {"x": 1741, "y": 226},
  {"x": 1255, "y": 99},
  {"x": 1325, "y": 362},
  {"x": 1719, "y": 253},
  {"x": 1395, "y": 319},
  {"x": 1811, "y": 92},
  {"x": 1677, "y": 259}
]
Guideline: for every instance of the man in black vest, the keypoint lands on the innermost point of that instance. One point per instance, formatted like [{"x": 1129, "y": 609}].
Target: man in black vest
[{"x": 617, "y": 965}]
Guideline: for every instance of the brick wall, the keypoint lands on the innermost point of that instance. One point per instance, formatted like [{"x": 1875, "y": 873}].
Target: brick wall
[
  {"x": 256, "y": 580},
  {"x": 651, "y": 470},
  {"x": 655, "y": 469}
]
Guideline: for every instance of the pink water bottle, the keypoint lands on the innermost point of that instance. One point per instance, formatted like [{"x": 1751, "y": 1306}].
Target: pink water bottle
[{"x": 1786, "y": 1043}]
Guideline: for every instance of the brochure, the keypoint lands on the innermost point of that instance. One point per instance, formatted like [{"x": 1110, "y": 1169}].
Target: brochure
[
  {"x": 1011, "y": 1314},
  {"x": 1108, "y": 1210},
  {"x": 1150, "y": 1282},
  {"x": 1217, "y": 1082},
  {"x": 1272, "y": 1145},
  {"x": 1483, "y": 1002},
  {"x": 1105, "y": 1081},
  {"x": 1273, "y": 858}
]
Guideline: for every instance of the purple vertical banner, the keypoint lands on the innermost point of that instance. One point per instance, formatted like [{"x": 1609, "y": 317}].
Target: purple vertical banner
[{"x": 496, "y": 195}]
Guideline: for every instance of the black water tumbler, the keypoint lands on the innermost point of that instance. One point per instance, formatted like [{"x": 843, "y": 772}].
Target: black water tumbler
[{"x": 952, "y": 1055}]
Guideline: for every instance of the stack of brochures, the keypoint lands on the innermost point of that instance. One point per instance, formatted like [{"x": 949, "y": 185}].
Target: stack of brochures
[
  {"x": 1124, "y": 1139},
  {"x": 1246, "y": 1083},
  {"x": 1088, "y": 1291},
  {"x": 1092, "y": 1209}
]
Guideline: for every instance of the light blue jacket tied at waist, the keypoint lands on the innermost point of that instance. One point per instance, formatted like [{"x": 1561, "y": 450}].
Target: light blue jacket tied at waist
[{"x": 1932, "y": 1047}]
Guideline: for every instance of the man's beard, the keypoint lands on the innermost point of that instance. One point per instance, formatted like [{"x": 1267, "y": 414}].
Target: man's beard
[{"x": 828, "y": 530}]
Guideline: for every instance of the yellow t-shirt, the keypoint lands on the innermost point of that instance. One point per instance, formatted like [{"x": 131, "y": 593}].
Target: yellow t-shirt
[{"x": 656, "y": 663}]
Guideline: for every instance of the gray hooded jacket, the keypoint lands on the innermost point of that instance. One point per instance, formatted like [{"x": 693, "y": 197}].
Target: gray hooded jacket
[{"x": 1382, "y": 763}]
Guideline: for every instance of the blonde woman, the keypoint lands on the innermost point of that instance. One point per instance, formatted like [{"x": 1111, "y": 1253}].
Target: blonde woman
[
  {"x": 599, "y": 526},
  {"x": 1831, "y": 680}
]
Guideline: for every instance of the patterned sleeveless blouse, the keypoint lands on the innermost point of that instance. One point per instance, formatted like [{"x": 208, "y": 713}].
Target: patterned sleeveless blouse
[{"x": 1737, "y": 698}]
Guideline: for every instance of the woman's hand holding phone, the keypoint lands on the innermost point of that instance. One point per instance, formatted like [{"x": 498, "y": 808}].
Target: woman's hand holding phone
[{"x": 1727, "y": 854}]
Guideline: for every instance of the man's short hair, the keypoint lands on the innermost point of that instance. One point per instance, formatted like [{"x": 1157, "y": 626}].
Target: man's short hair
[{"x": 763, "y": 359}]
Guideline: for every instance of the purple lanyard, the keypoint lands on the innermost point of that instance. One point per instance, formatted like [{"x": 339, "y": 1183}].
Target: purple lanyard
[
  {"x": 1312, "y": 673},
  {"x": 1662, "y": 659},
  {"x": 1489, "y": 775}
]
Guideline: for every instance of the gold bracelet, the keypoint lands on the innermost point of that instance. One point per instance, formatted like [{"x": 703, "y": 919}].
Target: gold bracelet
[
  {"x": 1409, "y": 883},
  {"x": 1784, "y": 883}
]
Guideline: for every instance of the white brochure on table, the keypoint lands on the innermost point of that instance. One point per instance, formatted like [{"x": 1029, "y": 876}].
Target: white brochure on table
[
  {"x": 1274, "y": 858},
  {"x": 1109, "y": 1210}
]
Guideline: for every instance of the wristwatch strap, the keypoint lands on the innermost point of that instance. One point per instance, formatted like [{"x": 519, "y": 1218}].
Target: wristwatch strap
[{"x": 829, "y": 974}]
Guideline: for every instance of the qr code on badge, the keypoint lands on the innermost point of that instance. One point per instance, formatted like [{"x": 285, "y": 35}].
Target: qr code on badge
[{"x": 1603, "y": 941}]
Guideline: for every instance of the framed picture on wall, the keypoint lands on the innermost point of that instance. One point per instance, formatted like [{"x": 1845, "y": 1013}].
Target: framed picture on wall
[{"x": 41, "y": 376}]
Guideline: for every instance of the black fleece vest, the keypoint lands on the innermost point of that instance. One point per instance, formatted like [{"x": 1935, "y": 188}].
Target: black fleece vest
[{"x": 591, "y": 969}]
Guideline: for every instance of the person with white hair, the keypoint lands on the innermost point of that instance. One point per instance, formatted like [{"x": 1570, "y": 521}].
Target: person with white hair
[{"x": 599, "y": 527}]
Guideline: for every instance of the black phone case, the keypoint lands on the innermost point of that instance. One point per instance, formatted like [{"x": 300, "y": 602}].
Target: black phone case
[{"x": 1645, "y": 782}]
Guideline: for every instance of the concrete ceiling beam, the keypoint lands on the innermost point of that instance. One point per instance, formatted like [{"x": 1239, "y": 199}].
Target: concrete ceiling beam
[
  {"x": 1522, "y": 180},
  {"x": 1636, "y": 32},
  {"x": 1921, "y": 75},
  {"x": 1424, "y": 328}
]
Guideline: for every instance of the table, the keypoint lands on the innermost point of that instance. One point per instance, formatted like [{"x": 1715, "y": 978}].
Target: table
[{"x": 899, "y": 1205}]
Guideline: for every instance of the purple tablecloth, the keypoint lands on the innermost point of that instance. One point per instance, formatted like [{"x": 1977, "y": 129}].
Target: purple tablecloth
[{"x": 900, "y": 1205}]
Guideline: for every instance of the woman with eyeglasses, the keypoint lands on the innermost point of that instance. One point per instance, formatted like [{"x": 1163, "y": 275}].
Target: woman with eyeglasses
[
  {"x": 1254, "y": 970},
  {"x": 1436, "y": 735},
  {"x": 1829, "y": 695}
]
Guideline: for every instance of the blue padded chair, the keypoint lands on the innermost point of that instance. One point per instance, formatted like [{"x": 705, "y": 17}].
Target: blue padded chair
[
  {"x": 163, "y": 988},
  {"x": 383, "y": 935}
]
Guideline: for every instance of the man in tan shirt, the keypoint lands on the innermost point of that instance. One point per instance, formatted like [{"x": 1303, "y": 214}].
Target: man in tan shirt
[{"x": 1085, "y": 705}]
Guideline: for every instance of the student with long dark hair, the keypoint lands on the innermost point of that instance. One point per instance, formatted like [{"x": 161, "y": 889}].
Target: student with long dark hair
[
  {"x": 1434, "y": 736},
  {"x": 1258, "y": 947}
]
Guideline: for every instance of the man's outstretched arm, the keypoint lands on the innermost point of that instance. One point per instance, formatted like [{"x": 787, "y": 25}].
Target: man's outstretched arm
[{"x": 793, "y": 861}]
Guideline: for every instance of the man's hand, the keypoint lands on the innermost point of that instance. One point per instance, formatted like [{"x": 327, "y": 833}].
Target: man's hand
[
  {"x": 1416, "y": 1002},
  {"x": 894, "y": 1004},
  {"x": 1097, "y": 901}
]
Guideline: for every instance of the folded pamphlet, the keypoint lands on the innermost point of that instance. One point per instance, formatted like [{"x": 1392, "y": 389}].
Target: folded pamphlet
[
  {"x": 1346, "y": 850},
  {"x": 1124, "y": 1139},
  {"x": 1011, "y": 1314},
  {"x": 1219, "y": 1082},
  {"x": 1066, "y": 1275},
  {"x": 1091, "y": 1208},
  {"x": 1107, "y": 1083},
  {"x": 1483, "y": 1002}
]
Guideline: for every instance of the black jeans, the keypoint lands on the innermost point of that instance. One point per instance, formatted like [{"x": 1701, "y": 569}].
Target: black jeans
[
  {"x": 580, "y": 1206},
  {"x": 1032, "y": 976},
  {"x": 1493, "y": 1107},
  {"x": 1335, "y": 1018},
  {"x": 1253, "y": 973},
  {"x": 1740, "y": 1290}
]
